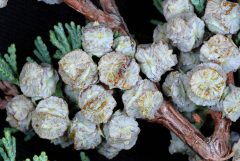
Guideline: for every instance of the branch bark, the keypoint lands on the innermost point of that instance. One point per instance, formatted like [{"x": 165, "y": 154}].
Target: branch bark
[
  {"x": 110, "y": 7},
  {"x": 213, "y": 148},
  {"x": 91, "y": 12}
]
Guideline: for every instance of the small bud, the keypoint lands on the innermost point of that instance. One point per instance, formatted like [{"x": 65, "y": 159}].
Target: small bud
[
  {"x": 125, "y": 45},
  {"x": 234, "y": 137},
  {"x": 177, "y": 145},
  {"x": 52, "y": 1},
  {"x": 172, "y": 8},
  {"x": 185, "y": 31},
  {"x": 96, "y": 104},
  {"x": 84, "y": 133},
  {"x": 175, "y": 87},
  {"x": 221, "y": 50},
  {"x": 108, "y": 151},
  {"x": 236, "y": 150},
  {"x": 230, "y": 103},
  {"x": 159, "y": 33},
  {"x": 155, "y": 60},
  {"x": 188, "y": 60},
  {"x": 222, "y": 16},
  {"x": 121, "y": 131},
  {"x": 78, "y": 70},
  {"x": 64, "y": 141},
  {"x": 97, "y": 39},
  {"x": 205, "y": 84},
  {"x": 3, "y": 3},
  {"x": 19, "y": 111},
  {"x": 50, "y": 119},
  {"x": 38, "y": 81},
  {"x": 72, "y": 94},
  {"x": 118, "y": 71},
  {"x": 143, "y": 100}
]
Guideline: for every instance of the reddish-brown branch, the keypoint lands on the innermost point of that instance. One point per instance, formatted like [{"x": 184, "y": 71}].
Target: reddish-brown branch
[
  {"x": 215, "y": 148},
  {"x": 9, "y": 91},
  {"x": 91, "y": 12},
  {"x": 230, "y": 78},
  {"x": 110, "y": 7}
]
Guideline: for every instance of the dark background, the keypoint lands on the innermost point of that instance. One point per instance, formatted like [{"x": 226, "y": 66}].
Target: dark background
[{"x": 22, "y": 20}]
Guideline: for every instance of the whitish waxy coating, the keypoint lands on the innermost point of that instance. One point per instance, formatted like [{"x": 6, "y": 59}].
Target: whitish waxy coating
[
  {"x": 118, "y": 71},
  {"x": 50, "y": 119},
  {"x": 97, "y": 39},
  {"x": 230, "y": 103},
  {"x": 121, "y": 131},
  {"x": 185, "y": 31},
  {"x": 3, "y": 3},
  {"x": 188, "y": 60},
  {"x": 143, "y": 100},
  {"x": 155, "y": 60},
  {"x": 96, "y": 104},
  {"x": 172, "y": 8},
  {"x": 222, "y": 16},
  {"x": 174, "y": 86},
  {"x": 159, "y": 33},
  {"x": 19, "y": 111},
  {"x": 125, "y": 45},
  {"x": 78, "y": 70},
  {"x": 52, "y": 1},
  {"x": 38, "y": 81},
  {"x": 221, "y": 50},
  {"x": 84, "y": 133},
  {"x": 236, "y": 150},
  {"x": 205, "y": 84},
  {"x": 108, "y": 151}
]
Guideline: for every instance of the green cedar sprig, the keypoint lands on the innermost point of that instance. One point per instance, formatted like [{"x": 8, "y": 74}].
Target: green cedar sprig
[
  {"x": 63, "y": 42},
  {"x": 199, "y": 6},
  {"x": 41, "y": 51},
  {"x": 10, "y": 58},
  {"x": 84, "y": 157},
  {"x": 8, "y": 146},
  {"x": 41, "y": 157},
  {"x": 8, "y": 66},
  {"x": 158, "y": 5},
  {"x": 74, "y": 36}
]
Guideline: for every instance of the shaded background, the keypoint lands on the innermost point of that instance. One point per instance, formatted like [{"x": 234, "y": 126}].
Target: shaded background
[{"x": 22, "y": 20}]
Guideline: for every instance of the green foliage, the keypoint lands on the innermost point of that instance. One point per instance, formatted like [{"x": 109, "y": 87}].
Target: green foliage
[
  {"x": 117, "y": 34},
  {"x": 158, "y": 5},
  {"x": 41, "y": 51},
  {"x": 8, "y": 66},
  {"x": 41, "y": 157},
  {"x": 29, "y": 59},
  {"x": 237, "y": 39},
  {"x": 58, "y": 92},
  {"x": 8, "y": 146},
  {"x": 10, "y": 58},
  {"x": 29, "y": 135},
  {"x": 65, "y": 43},
  {"x": 84, "y": 157},
  {"x": 199, "y": 6},
  {"x": 74, "y": 36}
]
